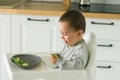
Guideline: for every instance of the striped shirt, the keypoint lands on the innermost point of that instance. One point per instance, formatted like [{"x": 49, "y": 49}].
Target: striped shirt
[{"x": 73, "y": 57}]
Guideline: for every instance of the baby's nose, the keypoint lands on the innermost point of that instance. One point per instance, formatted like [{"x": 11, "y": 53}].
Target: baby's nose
[{"x": 62, "y": 37}]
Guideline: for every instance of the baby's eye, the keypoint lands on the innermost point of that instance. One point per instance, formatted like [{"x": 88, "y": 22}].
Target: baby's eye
[{"x": 65, "y": 34}]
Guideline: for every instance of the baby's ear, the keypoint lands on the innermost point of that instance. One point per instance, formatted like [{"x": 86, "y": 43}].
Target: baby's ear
[{"x": 80, "y": 32}]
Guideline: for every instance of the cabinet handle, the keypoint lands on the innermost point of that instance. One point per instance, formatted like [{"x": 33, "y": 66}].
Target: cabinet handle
[
  {"x": 39, "y": 79},
  {"x": 102, "y": 45},
  {"x": 109, "y": 66},
  {"x": 92, "y": 22},
  {"x": 44, "y": 20}
]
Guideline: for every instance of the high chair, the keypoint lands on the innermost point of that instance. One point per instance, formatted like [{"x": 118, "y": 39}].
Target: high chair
[
  {"x": 90, "y": 40},
  {"x": 41, "y": 72}
]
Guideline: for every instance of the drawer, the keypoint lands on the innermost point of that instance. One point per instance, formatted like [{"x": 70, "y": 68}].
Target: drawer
[
  {"x": 108, "y": 66},
  {"x": 104, "y": 29},
  {"x": 107, "y": 71},
  {"x": 37, "y": 20},
  {"x": 108, "y": 50}
]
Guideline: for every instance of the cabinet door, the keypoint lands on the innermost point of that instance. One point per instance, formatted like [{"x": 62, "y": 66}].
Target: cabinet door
[
  {"x": 108, "y": 50},
  {"x": 5, "y": 34},
  {"x": 104, "y": 28},
  {"x": 108, "y": 71},
  {"x": 35, "y": 33},
  {"x": 108, "y": 42},
  {"x": 5, "y": 39},
  {"x": 58, "y": 43}
]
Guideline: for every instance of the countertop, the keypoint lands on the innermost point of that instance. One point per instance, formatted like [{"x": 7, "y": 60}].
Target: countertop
[
  {"x": 37, "y": 8},
  {"x": 50, "y": 9}
]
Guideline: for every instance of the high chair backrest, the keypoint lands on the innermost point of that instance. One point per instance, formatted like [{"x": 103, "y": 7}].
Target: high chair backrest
[{"x": 90, "y": 40}]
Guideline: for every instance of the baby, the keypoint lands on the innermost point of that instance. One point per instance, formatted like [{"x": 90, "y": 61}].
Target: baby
[{"x": 74, "y": 55}]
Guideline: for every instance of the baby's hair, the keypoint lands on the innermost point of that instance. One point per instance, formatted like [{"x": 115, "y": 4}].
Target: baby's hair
[{"x": 75, "y": 19}]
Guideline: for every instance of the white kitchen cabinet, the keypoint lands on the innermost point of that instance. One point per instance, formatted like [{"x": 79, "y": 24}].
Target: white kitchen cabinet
[
  {"x": 5, "y": 39},
  {"x": 108, "y": 50},
  {"x": 32, "y": 33},
  {"x": 58, "y": 43},
  {"x": 108, "y": 47},
  {"x": 5, "y": 33},
  {"x": 104, "y": 28},
  {"x": 108, "y": 70}
]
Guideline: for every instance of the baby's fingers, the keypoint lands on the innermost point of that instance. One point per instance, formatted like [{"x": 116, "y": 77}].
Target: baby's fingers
[{"x": 54, "y": 55}]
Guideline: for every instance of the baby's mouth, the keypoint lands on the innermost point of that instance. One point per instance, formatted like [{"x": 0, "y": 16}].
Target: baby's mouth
[{"x": 66, "y": 42}]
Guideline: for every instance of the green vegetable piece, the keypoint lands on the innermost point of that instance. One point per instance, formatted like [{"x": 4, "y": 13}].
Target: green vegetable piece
[
  {"x": 19, "y": 62},
  {"x": 25, "y": 64}
]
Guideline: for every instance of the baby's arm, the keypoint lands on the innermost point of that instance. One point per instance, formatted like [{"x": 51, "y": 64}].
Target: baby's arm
[
  {"x": 77, "y": 62},
  {"x": 72, "y": 64}
]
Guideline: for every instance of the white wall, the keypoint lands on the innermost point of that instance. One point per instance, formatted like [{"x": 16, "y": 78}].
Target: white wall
[
  {"x": 112, "y": 1},
  {"x": 92, "y": 1},
  {"x": 106, "y": 1},
  {"x": 97, "y": 1}
]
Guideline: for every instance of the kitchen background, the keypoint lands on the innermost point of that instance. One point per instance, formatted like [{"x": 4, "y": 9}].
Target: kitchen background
[
  {"x": 92, "y": 1},
  {"x": 115, "y": 63}
]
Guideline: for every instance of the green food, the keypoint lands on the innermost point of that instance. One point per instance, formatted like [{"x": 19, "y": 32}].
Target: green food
[
  {"x": 19, "y": 61},
  {"x": 25, "y": 64}
]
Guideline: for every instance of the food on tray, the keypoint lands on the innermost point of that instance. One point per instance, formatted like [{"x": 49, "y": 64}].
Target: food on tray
[
  {"x": 26, "y": 61},
  {"x": 56, "y": 55},
  {"x": 19, "y": 61}
]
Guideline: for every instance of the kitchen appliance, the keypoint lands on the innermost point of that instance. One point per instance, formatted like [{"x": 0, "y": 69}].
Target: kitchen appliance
[
  {"x": 97, "y": 8},
  {"x": 84, "y": 2}
]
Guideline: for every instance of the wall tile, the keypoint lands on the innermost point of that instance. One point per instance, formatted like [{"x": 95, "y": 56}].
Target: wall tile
[
  {"x": 112, "y": 1},
  {"x": 92, "y": 1}
]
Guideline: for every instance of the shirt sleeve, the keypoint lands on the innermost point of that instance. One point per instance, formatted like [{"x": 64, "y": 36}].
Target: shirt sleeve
[{"x": 77, "y": 61}]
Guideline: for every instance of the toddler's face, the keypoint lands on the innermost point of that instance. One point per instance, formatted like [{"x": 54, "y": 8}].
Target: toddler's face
[{"x": 70, "y": 36}]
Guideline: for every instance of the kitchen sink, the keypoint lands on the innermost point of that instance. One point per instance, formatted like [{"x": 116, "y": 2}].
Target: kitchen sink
[{"x": 10, "y": 3}]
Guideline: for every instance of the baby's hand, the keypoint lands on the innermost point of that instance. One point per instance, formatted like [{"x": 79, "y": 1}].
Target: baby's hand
[{"x": 54, "y": 58}]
